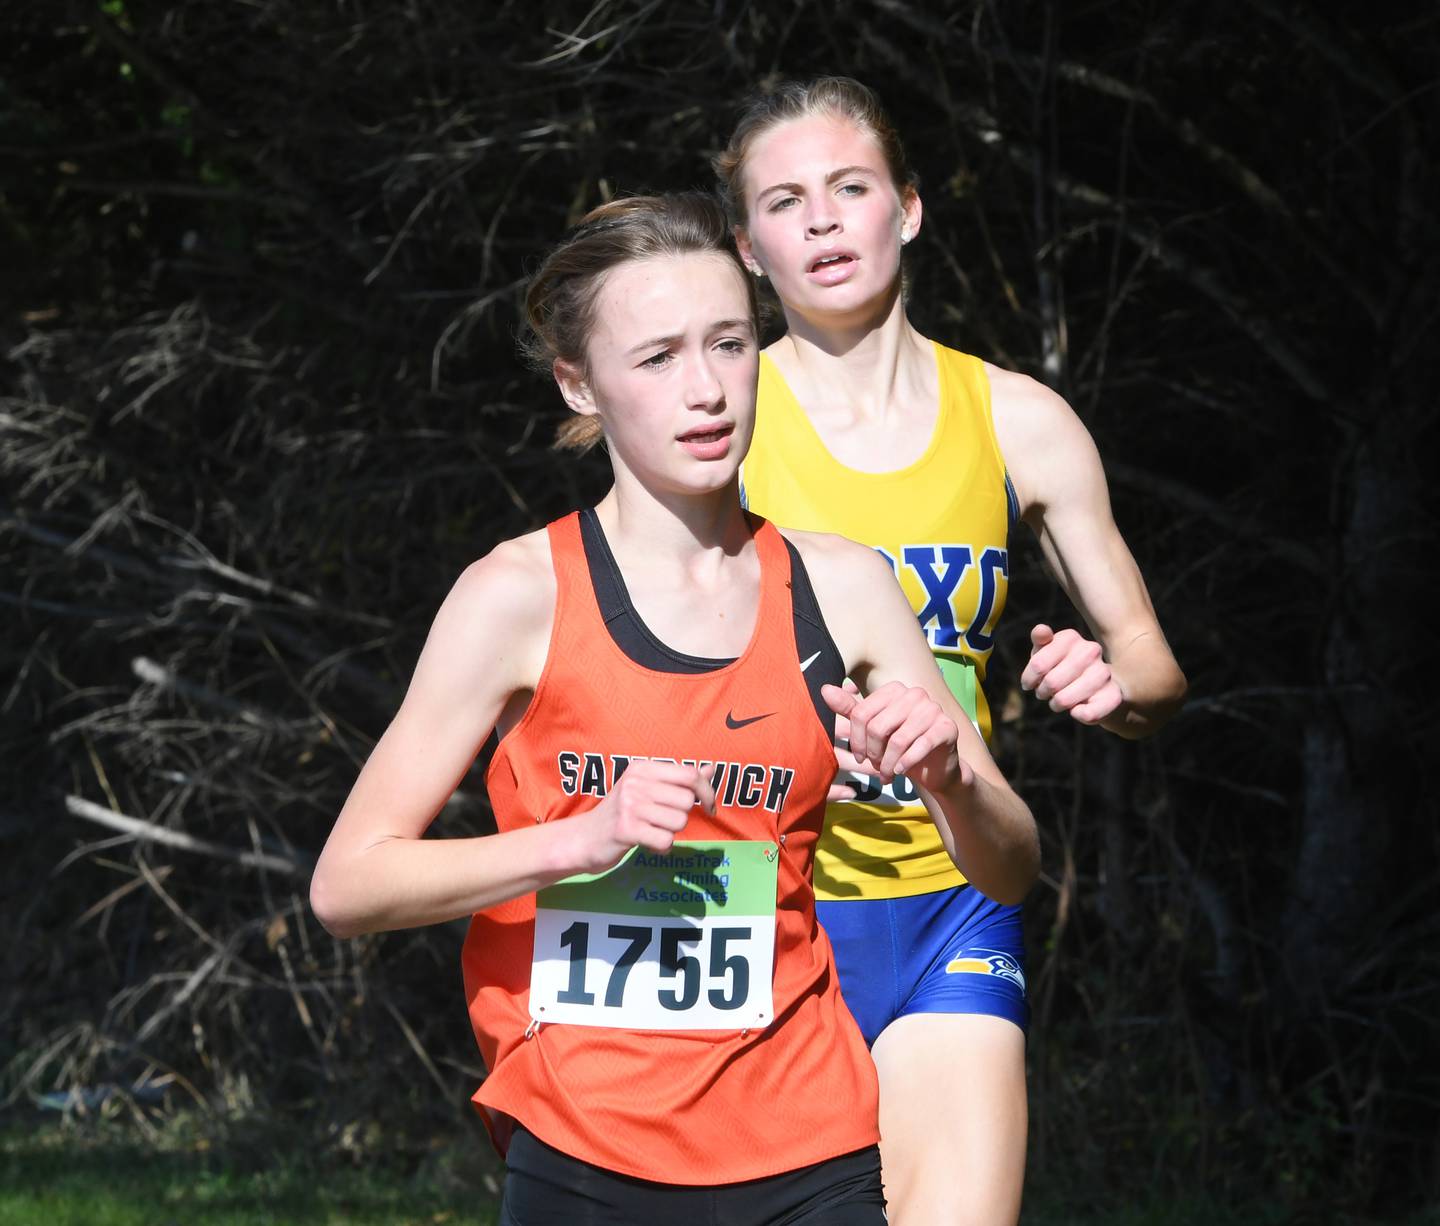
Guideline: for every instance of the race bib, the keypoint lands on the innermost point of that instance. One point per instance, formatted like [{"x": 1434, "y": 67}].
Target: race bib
[{"x": 677, "y": 940}]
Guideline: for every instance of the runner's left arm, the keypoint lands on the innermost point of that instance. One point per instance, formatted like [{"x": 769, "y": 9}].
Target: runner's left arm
[{"x": 1126, "y": 678}]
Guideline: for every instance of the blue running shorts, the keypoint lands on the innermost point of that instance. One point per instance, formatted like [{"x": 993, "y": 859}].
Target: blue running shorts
[{"x": 952, "y": 951}]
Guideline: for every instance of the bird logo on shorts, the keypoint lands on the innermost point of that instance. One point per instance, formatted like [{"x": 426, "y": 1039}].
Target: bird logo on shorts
[{"x": 987, "y": 962}]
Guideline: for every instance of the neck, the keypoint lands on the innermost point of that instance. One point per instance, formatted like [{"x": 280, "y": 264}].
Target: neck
[
  {"x": 858, "y": 362},
  {"x": 667, "y": 529}
]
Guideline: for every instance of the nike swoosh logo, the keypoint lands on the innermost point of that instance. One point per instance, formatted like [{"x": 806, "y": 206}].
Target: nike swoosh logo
[
  {"x": 732, "y": 722},
  {"x": 804, "y": 664}
]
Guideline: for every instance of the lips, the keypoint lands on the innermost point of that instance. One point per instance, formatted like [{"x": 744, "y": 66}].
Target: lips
[
  {"x": 832, "y": 268},
  {"x": 708, "y": 442},
  {"x": 706, "y": 434},
  {"x": 831, "y": 259}
]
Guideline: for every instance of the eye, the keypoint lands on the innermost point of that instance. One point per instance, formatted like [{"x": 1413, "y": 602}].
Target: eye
[
  {"x": 781, "y": 203},
  {"x": 657, "y": 361},
  {"x": 853, "y": 189},
  {"x": 732, "y": 345}
]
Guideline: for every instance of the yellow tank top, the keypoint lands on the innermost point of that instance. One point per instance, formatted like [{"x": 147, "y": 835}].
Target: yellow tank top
[{"x": 942, "y": 524}]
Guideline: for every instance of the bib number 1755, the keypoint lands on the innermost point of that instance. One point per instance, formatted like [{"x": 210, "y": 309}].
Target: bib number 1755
[{"x": 607, "y": 970}]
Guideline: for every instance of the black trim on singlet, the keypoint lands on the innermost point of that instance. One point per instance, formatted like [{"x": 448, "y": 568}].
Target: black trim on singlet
[
  {"x": 1012, "y": 501},
  {"x": 812, "y": 638},
  {"x": 634, "y": 638}
]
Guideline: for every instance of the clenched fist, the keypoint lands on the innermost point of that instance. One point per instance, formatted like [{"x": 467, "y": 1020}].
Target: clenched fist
[
  {"x": 1070, "y": 673},
  {"x": 648, "y": 808}
]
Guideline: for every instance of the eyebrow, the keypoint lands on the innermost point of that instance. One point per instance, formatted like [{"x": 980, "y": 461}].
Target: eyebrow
[
  {"x": 843, "y": 172},
  {"x": 720, "y": 325}
]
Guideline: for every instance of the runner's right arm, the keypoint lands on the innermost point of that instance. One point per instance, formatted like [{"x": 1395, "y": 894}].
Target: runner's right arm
[
  {"x": 909, "y": 722},
  {"x": 483, "y": 657}
]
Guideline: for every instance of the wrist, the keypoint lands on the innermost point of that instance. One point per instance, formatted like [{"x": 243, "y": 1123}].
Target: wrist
[
  {"x": 955, "y": 788},
  {"x": 568, "y": 848}
]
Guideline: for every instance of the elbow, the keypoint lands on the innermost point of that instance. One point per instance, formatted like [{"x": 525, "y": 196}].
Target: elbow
[
  {"x": 1170, "y": 700},
  {"x": 1008, "y": 898},
  {"x": 1008, "y": 872},
  {"x": 1173, "y": 689},
  {"x": 329, "y": 905},
  {"x": 1024, "y": 872},
  {"x": 1138, "y": 720}
]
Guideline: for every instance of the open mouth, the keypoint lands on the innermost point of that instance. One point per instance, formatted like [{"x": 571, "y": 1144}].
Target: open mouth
[
  {"x": 712, "y": 434},
  {"x": 834, "y": 259}
]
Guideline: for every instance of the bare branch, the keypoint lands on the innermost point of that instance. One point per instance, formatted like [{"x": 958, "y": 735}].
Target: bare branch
[{"x": 149, "y": 832}]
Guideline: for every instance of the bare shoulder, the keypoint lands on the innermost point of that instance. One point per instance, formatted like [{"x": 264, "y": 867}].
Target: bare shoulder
[
  {"x": 837, "y": 566},
  {"x": 1026, "y": 409},
  {"x": 859, "y": 597},
  {"x": 500, "y": 610},
  {"x": 517, "y": 573},
  {"x": 1043, "y": 440}
]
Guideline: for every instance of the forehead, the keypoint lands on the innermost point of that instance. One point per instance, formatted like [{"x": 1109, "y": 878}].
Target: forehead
[
  {"x": 810, "y": 145},
  {"x": 669, "y": 294}
]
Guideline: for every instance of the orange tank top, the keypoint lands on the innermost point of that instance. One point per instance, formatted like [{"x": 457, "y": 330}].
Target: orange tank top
[{"x": 679, "y": 1106}]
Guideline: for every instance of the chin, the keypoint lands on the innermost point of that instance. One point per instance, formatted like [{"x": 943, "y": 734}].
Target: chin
[
  {"x": 843, "y": 301},
  {"x": 707, "y": 478}
]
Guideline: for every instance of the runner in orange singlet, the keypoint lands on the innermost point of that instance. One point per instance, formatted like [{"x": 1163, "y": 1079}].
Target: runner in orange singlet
[{"x": 654, "y": 999}]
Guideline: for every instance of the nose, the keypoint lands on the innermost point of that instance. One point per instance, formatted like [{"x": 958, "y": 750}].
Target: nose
[
  {"x": 702, "y": 388},
  {"x": 822, "y": 218}
]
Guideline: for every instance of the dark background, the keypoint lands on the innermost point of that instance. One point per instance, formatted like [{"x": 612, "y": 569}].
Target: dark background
[{"x": 261, "y": 403}]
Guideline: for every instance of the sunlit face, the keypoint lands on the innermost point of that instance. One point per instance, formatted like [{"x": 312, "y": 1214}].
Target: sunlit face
[
  {"x": 671, "y": 365},
  {"x": 825, "y": 221}
]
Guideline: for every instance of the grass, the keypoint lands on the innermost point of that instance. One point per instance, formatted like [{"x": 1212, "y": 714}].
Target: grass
[
  {"x": 100, "y": 1176},
  {"x": 57, "y": 1178}
]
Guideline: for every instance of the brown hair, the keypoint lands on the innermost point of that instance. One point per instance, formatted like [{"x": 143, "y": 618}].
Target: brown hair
[
  {"x": 560, "y": 303},
  {"x": 836, "y": 97}
]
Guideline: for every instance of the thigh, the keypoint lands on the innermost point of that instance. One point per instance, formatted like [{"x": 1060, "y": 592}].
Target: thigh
[
  {"x": 953, "y": 1118},
  {"x": 545, "y": 1187},
  {"x": 842, "y": 1191},
  {"x": 952, "y": 951},
  {"x": 864, "y": 939},
  {"x": 966, "y": 954}
]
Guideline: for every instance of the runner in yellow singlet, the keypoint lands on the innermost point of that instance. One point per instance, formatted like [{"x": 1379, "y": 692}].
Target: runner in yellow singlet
[{"x": 868, "y": 429}]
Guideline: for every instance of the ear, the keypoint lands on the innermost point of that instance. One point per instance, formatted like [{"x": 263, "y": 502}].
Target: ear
[
  {"x": 747, "y": 252},
  {"x": 570, "y": 379},
  {"x": 910, "y": 215}
]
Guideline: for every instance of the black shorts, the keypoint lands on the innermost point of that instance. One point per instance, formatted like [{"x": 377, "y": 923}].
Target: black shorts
[{"x": 544, "y": 1187}]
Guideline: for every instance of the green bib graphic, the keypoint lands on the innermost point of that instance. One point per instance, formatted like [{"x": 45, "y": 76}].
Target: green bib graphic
[
  {"x": 960, "y": 677},
  {"x": 676, "y": 940}
]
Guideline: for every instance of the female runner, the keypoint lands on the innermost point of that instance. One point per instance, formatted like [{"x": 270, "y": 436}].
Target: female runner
[
  {"x": 868, "y": 429},
  {"x": 655, "y": 1002}
]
